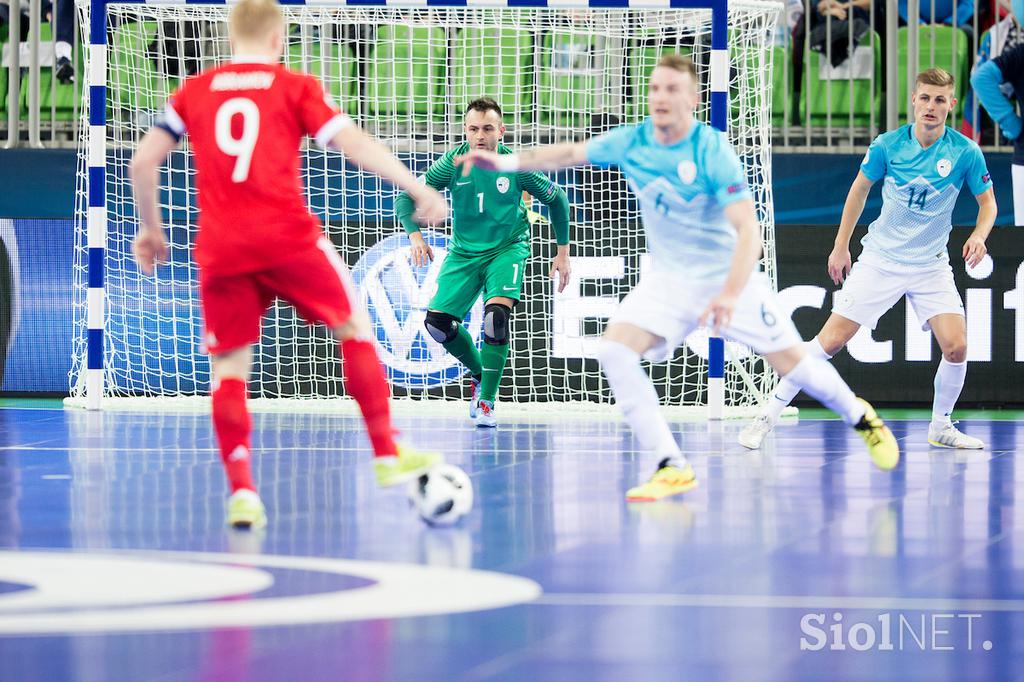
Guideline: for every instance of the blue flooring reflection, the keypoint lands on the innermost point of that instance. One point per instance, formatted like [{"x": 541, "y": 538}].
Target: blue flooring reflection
[{"x": 714, "y": 585}]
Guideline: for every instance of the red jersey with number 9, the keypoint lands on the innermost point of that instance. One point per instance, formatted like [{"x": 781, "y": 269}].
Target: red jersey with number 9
[{"x": 245, "y": 122}]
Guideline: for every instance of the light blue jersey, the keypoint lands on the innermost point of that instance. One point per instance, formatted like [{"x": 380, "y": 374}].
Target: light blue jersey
[
  {"x": 682, "y": 189},
  {"x": 919, "y": 192}
]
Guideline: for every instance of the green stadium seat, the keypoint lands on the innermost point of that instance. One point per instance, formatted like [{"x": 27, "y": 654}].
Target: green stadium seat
[
  {"x": 782, "y": 86},
  {"x": 781, "y": 76},
  {"x": 406, "y": 77},
  {"x": 133, "y": 80},
  {"x": 494, "y": 63},
  {"x": 568, "y": 79},
  {"x": 339, "y": 78},
  {"x": 949, "y": 46},
  {"x": 55, "y": 98},
  {"x": 815, "y": 97}
]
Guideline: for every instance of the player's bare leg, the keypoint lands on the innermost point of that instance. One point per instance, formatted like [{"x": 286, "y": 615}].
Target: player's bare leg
[
  {"x": 619, "y": 352},
  {"x": 493, "y": 355},
  {"x": 822, "y": 382},
  {"x": 233, "y": 425},
  {"x": 365, "y": 382},
  {"x": 950, "y": 331},
  {"x": 836, "y": 333}
]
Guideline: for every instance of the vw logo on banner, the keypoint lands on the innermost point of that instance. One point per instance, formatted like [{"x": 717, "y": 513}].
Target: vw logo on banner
[{"x": 395, "y": 294}]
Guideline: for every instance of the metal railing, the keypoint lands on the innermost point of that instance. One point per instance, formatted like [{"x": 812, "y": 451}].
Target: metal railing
[
  {"x": 844, "y": 124},
  {"x": 35, "y": 125}
]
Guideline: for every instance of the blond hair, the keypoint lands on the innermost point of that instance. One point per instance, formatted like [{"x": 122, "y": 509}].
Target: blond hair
[
  {"x": 252, "y": 21},
  {"x": 676, "y": 61},
  {"x": 936, "y": 76}
]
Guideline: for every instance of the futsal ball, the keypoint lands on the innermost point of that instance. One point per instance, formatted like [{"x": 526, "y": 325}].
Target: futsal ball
[{"x": 441, "y": 496}]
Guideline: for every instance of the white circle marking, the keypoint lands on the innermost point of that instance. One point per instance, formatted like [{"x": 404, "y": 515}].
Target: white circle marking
[{"x": 400, "y": 590}]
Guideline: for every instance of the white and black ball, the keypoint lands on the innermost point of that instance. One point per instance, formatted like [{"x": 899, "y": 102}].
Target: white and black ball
[{"x": 441, "y": 496}]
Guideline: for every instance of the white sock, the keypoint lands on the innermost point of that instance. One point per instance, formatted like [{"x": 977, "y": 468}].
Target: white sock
[
  {"x": 822, "y": 382},
  {"x": 949, "y": 381},
  {"x": 786, "y": 391},
  {"x": 62, "y": 49},
  {"x": 638, "y": 400}
]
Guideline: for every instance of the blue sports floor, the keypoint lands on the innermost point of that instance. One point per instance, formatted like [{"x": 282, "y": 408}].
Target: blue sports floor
[{"x": 115, "y": 565}]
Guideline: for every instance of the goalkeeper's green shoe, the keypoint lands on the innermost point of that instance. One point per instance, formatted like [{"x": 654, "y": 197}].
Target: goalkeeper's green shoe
[
  {"x": 245, "y": 511},
  {"x": 408, "y": 464}
]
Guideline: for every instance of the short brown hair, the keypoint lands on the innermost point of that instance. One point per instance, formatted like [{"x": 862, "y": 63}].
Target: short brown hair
[
  {"x": 936, "y": 76},
  {"x": 483, "y": 104},
  {"x": 254, "y": 20},
  {"x": 674, "y": 60}
]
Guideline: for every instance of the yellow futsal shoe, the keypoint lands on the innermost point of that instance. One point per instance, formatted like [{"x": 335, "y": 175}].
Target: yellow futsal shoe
[
  {"x": 245, "y": 510},
  {"x": 885, "y": 451},
  {"x": 405, "y": 466},
  {"x": 666, "y": 481}
]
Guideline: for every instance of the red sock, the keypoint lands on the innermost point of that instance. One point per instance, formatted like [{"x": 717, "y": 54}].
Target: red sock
[
  {"x": 364, "y": 381},
  {"x": 232, "y": 423}
]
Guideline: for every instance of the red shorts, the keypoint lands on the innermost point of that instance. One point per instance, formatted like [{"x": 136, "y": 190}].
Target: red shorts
[{"x": 316, "y": 282}]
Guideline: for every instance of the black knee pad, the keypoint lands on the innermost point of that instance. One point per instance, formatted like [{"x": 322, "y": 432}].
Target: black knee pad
[
  {"x": 442, "y": 327},
  {"x": 496, "y": 319}
]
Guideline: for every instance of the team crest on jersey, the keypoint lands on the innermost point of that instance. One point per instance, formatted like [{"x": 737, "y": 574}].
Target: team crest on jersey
[
  {"x": 944, "y": 166},
  {"x": 687, "y": 171},
  {"x": 502, "y": 184}
]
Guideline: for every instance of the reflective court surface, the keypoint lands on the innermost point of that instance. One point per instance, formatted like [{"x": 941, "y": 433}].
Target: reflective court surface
[{"x": 799, "y": 561}]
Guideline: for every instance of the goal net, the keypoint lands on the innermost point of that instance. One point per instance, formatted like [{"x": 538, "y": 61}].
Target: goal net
[{"x": 406, "y": 75}]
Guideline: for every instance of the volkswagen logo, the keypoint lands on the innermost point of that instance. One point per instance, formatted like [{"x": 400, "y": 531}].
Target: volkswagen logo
[{"x": 395, "y": 294}]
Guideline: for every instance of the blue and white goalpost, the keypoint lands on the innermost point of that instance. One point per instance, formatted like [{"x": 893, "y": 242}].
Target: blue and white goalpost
[{"x": 404, "y": 69}]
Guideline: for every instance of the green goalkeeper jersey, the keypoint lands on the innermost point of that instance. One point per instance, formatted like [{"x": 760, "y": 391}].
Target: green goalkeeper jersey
[{"x": 488, "y": 213}]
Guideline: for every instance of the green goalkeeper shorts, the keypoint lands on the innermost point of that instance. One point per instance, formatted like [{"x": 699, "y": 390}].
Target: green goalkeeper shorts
[{"x": 463, "y": 277}]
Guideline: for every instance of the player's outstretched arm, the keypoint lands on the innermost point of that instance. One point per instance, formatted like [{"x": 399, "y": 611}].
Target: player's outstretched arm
[
  {"x": 554, "y": 197},
  {"x": 150, "y": 245},
  {"x": 974, "y": 247},
  {"x": 438, "y": 175},
  {"x": 743, "y": 217},
  {"x": 839, "y": 261},
  {"x": 548, "y": 158},
  {"x": 371, "y": 155}
]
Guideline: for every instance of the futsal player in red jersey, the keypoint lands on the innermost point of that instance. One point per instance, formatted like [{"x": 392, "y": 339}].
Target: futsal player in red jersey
[{"x": 257, "y": 239}]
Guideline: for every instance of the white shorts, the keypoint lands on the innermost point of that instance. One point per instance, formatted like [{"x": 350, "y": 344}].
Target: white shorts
[
  {"x": 874, "y": 285},
  {"x": 670, "y": 305}
]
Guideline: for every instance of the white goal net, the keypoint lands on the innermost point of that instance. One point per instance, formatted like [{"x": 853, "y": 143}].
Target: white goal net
[{"x": 406, "y": 75}]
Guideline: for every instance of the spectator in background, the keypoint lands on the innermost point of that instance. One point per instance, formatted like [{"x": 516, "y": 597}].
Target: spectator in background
[
  {"x": 1002, "y": 37},
  {"x": 831, "y": 20},
  {"x": 959, "y": 13},
  {"x": 63, "y": 35},
  {"x": 997, "y": 84}
]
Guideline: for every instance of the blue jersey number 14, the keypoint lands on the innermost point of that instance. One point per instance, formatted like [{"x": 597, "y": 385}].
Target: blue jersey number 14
[{"x": 917, "y": 198}]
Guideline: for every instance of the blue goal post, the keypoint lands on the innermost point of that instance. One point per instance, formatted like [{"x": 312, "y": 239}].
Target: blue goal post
[{"x": 96, "y": 215}]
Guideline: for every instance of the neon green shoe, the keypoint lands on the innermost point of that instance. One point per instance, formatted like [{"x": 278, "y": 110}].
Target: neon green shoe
[
  {"x": 405, "y": 466},
  {"x": 245, "y": 511},
  {"x": 885, "y": 451},
  {"x": 666, "y": 481}
]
